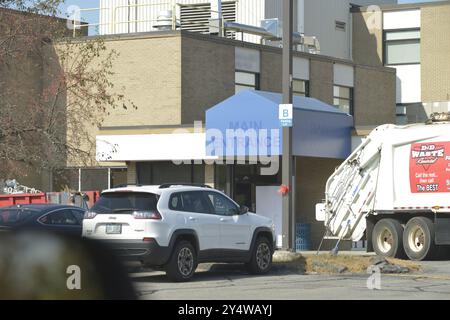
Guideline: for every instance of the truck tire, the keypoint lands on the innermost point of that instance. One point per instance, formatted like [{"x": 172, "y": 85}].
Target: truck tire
[
  {"x": 182, "y": 263},
  {"x": 387, "y": 238},
  {"x": 261, "y": 260},
  {"x": 418, "y": 239}
]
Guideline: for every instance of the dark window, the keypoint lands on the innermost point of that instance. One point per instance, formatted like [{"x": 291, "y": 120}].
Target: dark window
[
  {"x": 60, "y": 217},
  {"x": 118, "y": 176},
  {"x": 195, "y": 201},
  {"x": 12, "y": 217},
  {"x": 79, "y": 214},
  {"x": 124, "y": 202},
  {"x": 94, "y": 179},
  {"x": 155, "y": 173},
  {"x": 300, "y": 88},
  {"x": 402, "y": 47},
  {"x": 343, "y": 98},
  {"x": 222, "y": 205},
  {"x": 246, "y": 80}
]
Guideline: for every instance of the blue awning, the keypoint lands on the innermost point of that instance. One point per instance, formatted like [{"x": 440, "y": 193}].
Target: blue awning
[{"x": 247, "y": 124}]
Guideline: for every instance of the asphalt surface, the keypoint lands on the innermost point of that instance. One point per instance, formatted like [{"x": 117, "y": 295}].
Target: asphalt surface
[{"x": 432, "y": 283}]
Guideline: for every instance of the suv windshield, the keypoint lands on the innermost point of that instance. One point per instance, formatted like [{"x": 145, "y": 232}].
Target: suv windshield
[
  {"x": 13, "y": 217},
  {"x": 124, "y": 202}
]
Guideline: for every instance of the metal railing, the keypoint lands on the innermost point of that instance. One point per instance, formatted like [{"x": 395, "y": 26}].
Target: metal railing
[
  {"x": 77, "y": 24},
  {"x": 113, "y": 23},
  {"x": 164, "y": 6}
]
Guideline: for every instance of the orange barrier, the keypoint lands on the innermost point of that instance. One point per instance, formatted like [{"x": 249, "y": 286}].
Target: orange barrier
[
  {"x": 14, "y": 199},
  {"x": 41, "y": 198}
]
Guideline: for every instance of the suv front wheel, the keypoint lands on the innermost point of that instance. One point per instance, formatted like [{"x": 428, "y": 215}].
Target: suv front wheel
[
  {"x": 261, "y": 260},
  {"x": 183, "y": 262}
]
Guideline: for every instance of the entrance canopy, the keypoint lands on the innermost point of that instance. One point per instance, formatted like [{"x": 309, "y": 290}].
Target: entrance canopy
[{"x": 247, "y": 124}]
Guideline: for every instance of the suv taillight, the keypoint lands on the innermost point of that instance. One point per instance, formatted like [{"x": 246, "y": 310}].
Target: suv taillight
[
  {"x": 90, "y": 215},
  {"x": 149, "y": 215}
]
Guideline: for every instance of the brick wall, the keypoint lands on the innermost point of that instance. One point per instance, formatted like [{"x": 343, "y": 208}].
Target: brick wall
[
  {"x": 207, "y": 76},
  {"x": 435, "y": 53},
  {"x": 321, "y": 80},
  {"x": 374, "y": 96}
]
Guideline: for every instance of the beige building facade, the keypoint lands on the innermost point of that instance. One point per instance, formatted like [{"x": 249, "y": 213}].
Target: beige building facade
[
  {"x": 413, "y": 39},
  {"x": 175, "y": 77}
]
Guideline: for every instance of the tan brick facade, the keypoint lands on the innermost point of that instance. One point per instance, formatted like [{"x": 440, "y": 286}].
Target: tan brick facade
[
  {"x": 207, "y": 76},
  {"x": 368, "y": 38},
  {"x": 435, "y": 53},
  {"x": 149, "y": 69},
  {"x": 321, "y": 80},
  {"x": 271, "y": 65},
  {"x": 373, "y": 96},
  {"x": 312, "y": 175}
]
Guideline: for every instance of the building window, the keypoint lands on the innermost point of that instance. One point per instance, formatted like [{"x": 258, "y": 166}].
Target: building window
[
  {"x": 246, "y": 80},
  {"x": 300, "y": 88},
  {"x": 402, "y": 47},
  {"x": 343, "y": 98},
  {"x": 159, "y": 172}
]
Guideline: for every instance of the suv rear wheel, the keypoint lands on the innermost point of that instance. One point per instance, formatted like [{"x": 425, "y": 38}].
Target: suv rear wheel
[
  {"x": 183, "y": 262},
  {"x": 261, "y": 260}
]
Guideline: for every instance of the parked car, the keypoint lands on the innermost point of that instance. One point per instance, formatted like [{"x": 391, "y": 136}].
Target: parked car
[
  {"x": 175, "y": 227},
  {"x": 53, "y": 217}
]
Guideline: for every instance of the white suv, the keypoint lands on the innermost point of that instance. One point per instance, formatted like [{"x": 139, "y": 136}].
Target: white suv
[{"x": 178, "y": 226}]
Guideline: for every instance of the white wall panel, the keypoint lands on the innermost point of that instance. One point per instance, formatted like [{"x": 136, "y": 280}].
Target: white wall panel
[
  {"x": 343, "y": 75},
  {"x": 300, "y": 68},
  {"x": 408, "y": 83},
  {"x": 401, "y": 19},
  {"x": 148, "y": 147},
  {"x": 247, "y": 59}
]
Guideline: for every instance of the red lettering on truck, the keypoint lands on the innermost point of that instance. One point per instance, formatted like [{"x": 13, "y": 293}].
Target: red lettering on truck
[{"x": 429, "y": 167}]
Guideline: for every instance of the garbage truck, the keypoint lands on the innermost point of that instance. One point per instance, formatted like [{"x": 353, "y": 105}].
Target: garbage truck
[{"x": 394, "y": 191}]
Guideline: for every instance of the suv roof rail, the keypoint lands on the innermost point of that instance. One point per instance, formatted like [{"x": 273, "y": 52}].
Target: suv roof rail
[{"x": 168, "y": 185}]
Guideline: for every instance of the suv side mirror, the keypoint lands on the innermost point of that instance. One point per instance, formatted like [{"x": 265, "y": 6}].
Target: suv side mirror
[{"x": 243, "y": 210}]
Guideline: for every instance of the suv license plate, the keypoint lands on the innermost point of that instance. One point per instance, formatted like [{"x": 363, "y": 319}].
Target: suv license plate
[{"x": 113, "y": 228}]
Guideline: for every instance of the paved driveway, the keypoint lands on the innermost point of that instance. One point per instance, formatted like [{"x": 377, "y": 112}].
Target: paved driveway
[{"x": 432, "y": 283}]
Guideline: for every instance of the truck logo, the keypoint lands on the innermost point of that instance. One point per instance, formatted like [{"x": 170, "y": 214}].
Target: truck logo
[
  {"x": 429, "y": 167},
  {"x": 427, "y": 154}
]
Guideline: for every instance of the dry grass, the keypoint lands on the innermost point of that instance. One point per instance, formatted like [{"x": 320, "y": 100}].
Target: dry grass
[{"x": 328, "y": 264}]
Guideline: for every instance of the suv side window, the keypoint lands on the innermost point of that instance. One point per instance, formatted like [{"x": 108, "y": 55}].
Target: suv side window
[
  {"x": 176, "y": 202},
  {"x": 222, "y": 205},
  {"x": 60, "y": 217},
  {"x": 195, "y": 201}
]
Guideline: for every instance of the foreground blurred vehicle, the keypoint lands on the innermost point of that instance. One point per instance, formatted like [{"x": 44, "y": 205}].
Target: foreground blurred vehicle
[
  {"x": 41, "y": 265},
  {"x": 53, "y": 217}
]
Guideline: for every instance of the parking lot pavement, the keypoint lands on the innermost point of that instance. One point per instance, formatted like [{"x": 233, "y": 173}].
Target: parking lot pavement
[{"x": 432, "y": 283}]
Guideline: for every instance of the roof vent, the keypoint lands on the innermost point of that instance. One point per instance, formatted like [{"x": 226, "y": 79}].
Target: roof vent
[{"x": 164, "y": 21}]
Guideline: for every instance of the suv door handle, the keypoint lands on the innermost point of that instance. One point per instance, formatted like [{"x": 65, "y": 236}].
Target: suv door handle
[
  {"x": 192, "y": 219},
  {"x": 224, "y": 220}
]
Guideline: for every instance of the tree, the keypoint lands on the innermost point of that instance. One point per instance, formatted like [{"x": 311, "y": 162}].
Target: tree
[{"x": 53, "y": 89}]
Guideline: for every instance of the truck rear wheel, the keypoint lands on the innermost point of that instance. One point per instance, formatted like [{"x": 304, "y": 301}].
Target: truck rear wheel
[
  {"x": 418, "y": 239},
  {"x": 387, "y": 238}
]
